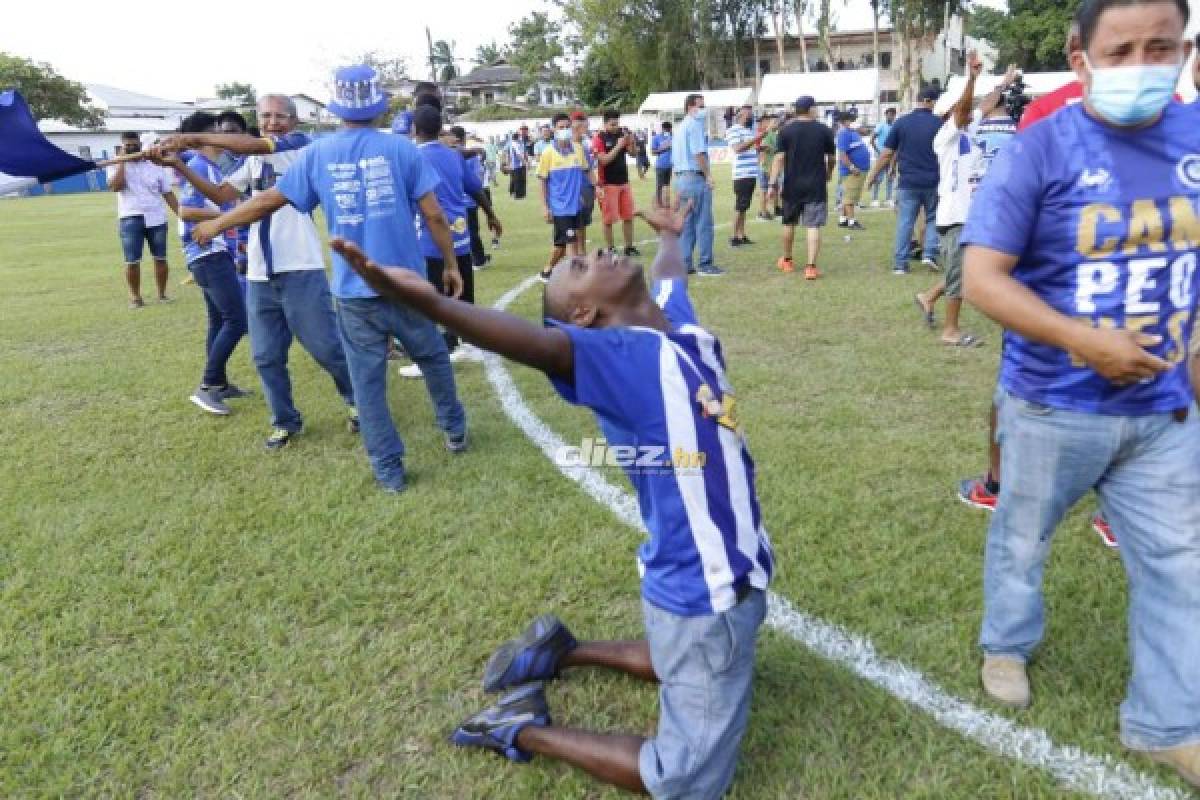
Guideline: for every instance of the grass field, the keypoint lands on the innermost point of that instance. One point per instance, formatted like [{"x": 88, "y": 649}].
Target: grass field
[{"x": 183, "y": 614}]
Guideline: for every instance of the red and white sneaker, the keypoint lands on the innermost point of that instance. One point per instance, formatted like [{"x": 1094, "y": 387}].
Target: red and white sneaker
[
  {"x": 974, "y": 492},
  {"x": 1102, "y": 529}
]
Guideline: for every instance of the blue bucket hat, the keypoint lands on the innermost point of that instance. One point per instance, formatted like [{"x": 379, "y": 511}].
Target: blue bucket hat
[{"x": 356, "y": 94}]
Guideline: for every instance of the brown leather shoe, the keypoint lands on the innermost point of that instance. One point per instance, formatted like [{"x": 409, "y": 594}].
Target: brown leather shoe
[{"x": 1005, "y": 681}]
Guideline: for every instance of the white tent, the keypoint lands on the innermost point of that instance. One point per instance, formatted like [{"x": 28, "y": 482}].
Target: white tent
[
  {"x": 1036, "y": 85},
  {"x": 672, "y": 102},
  {"x": 827, "y": 88}
]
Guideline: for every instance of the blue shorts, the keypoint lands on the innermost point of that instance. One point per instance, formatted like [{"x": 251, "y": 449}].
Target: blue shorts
[
  {"x": 134, "y": 232},
  {"x": 705, "y": 666}
]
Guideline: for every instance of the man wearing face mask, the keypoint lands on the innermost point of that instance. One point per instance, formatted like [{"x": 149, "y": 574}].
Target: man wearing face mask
[
  {"x": 1083, "y": 243},
  {"x": 562, "y": 173},
  {"x": 694, "y": 184},
  {"x": 141, "y": 189}
]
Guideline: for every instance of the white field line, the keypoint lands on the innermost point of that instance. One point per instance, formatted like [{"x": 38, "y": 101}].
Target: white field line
[{"x": 1100, "y": 776}]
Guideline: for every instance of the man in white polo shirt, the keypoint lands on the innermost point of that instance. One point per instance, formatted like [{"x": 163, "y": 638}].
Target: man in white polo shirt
[
  {"x": 288, "y": 292},
  {"x": 141, "y": 188}
]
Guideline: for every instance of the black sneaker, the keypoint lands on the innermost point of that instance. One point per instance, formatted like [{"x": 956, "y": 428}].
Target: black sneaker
[
  {"x": 632, "y": 251},
  {"x": 456, "y": 444},
  {"x": 210, "y": 400},
  {"x": 843, "y": 223},
  {"x": 496, "y": 728},
  {"x": 234, "y": 392},
  {"x": 746, "y": 241},
  {"x": 856, "y": 225},
  {"x": 279, "y": 439},
  {"x": 735, "y": 241},
  {"x": 535, "y": 655}
]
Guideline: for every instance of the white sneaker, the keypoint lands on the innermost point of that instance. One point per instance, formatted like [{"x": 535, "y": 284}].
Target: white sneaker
[{"x": 410, "y": 371}]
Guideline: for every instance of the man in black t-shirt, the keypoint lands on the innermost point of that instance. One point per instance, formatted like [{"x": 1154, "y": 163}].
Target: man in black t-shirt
[
  {"x": 611, "y": 146},
  {"x": 804, "y": 156}
]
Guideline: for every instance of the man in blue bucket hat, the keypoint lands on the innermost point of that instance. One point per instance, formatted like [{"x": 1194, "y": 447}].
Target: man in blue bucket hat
[{"x": 371, "y": 185}]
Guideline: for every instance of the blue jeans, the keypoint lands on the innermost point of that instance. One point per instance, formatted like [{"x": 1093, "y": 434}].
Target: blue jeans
[
  {"x": 134, "y": 234},
  {"x": 909, "y": 203},
  {"x": 886, "y": 180},
  {"x": 217, "y": 277},
  {"x": 705, "y": 668},
  {"x": 366, "y": 325},
  {"x": 1146, "y": 471},
  {"x": 299, "y": 304},
  {"x": 698, "y": 227}
]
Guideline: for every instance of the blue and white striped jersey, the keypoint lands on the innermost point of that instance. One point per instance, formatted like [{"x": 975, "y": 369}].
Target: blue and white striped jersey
[{"x": 665, "y": 399}]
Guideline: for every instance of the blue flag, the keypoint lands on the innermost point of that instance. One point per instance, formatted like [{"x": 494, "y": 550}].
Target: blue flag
[{"x": 25, "y": 152}]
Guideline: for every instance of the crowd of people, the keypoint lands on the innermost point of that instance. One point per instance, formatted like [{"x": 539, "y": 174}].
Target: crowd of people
[{"x": 1079, "y": 235}]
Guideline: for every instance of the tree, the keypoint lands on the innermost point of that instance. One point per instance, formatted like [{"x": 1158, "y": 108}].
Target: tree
[
  {"x": 391, "y": 69},
  {"x": 239, "y": 94},
  {"x": 1030, "y": 34},
  {"x": 915, "y": 26},
  {"x": 599, "y": 83},
  {"x": 536, "y": 45},
  {"x": 487, "y": 54},
  {"x": 442, "y": 60},
  {"x": 49, "y": 95}
]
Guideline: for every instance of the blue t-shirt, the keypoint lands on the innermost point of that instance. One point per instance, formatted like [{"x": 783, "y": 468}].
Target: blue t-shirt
[
  {"x": 881, "y": 134},
  {"x": 190, "y": 197},
  {"x": 664, "y": 401},
  {"x": 911, "y": 138},
  {"x": 1106, "y": 229},
  {"x": 663, "y": 159},
  {"x": 852, "y": 144},
  {"x": 691, "y": 142},
  {"x": 368, "y": 184},
  {"x": 451, "y": 194},
  {"x": 475, "y": 173}
]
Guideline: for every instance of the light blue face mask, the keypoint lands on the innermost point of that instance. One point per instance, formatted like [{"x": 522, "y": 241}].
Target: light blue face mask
[{"x": 1131, "y": 95}]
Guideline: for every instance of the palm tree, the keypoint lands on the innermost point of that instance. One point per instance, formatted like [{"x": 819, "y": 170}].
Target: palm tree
[
  {"x": 801, "y": 13},
  {"x": 442, "y": 60}
]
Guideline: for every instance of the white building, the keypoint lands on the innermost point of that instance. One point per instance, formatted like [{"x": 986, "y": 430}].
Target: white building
[{"x": 123, "y": 111}]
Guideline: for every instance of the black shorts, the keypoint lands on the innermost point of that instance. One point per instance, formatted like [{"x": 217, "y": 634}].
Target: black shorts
[
  {"x": 809, "y": 213},
  {"x": 662, "y": 177},
  {"x": 743, "y": 193},
  {"x": 565, "y": 229}
]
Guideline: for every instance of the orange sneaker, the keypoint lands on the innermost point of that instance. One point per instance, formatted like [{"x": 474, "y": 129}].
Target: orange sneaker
[
  {"x": 811, "y": 273},
  {"x": 785, "y": 265}
]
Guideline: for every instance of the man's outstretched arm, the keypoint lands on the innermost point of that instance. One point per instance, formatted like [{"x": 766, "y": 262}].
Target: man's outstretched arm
[
  {"x": 240, "y": 143},
  {"x": 545, "y": 349},
  {"x": 254, "y": 209}
]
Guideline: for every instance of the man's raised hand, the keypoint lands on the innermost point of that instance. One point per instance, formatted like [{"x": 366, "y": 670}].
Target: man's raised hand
[
  {"x": 396, "y": 284},
  {"x": 661, "y": 218}
]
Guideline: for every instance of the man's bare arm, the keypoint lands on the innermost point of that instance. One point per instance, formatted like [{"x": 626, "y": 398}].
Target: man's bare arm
[
  {"x": 189, "y": 214},
  {"x": 117, "y": 182},
  {"x": 1116, "y": 354},
  {"x": 609, "y": 156},
  {"x": 880, "y": 164},
  {"x": 261, "y": 205},
  {"x": 240, "y": 143},
  {"x": 439, "y": 229},
  {"x": 171, "y": 201},
  {"x": 545, "y": 349},
  {"x": 219, "y": 193},
  {"x": 668, "y": 262}
]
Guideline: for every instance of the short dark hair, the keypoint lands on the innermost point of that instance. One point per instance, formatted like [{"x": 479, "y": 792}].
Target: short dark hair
[
  {"x": 425, "y": 87},
  {"x": 890, "y": 111},
  {"x": 234, "y": 117},
  {"x": 691, "y": 100},
  {"x": 254, "y": 131},
  {"x": 198, "y": 122},
  {"x": 516, "y": 137},
  {"x": 559, "y": 117},
  {"x": 1089, "y": 13},
  {"x": 428, "y": 99},
  {"x": 459, "y": 132},
  {"x": 612, "y": 113},
  {"x": 131, "y": 136},
  {"x": 666, "y": 126},
  {"x": 427, "y": 122}
]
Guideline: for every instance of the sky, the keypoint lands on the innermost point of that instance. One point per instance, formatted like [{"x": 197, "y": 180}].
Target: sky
[{"x": 158, "y": 48}]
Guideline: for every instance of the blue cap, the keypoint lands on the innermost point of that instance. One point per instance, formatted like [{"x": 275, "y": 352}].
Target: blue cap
[
  {"x": 356, "y": 94},
  {"x": 402, "y": 123},
  {"x": 929, "y": 94},
  {"x": 804, "y": 102}
]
